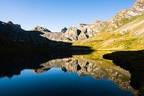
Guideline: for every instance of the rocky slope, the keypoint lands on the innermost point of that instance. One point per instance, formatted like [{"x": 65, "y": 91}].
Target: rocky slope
[
  {"x": 41, "y": 29},
  {"x": 81, "y": 32},
  {"x": 118, "y": 20},
  {"x": 125, "y": 31},
  {"x": 85, "y": 31},
  {"x": 12, "y": 36}
]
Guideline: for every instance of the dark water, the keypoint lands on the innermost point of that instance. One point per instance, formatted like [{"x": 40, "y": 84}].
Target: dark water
[
  {"x": 57, "y": 83},
  {"x": 55, "y": 75}
]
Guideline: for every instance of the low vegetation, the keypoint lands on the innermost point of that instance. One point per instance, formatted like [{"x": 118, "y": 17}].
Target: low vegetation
[{"x": 129, "y": 36}]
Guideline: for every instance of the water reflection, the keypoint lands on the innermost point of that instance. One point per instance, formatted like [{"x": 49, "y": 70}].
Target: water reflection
[
  {"x": 133, "y": 61},
  {"x": 12, "y": 63},
  {"x": 50, "y": 79}
]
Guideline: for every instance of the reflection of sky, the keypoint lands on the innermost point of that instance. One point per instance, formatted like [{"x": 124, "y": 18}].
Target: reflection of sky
[{"x": 57, "y": 83}]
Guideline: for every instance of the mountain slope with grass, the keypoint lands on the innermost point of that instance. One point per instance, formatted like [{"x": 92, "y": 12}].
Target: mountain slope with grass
[{"x": 125, "y": 31}]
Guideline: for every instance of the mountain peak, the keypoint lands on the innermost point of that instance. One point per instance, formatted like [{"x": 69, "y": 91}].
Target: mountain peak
[
  {"x": 136, "y": 10},
  {"x": 139, "y": 1},
  {"x": 15, "y": 27},
  {"x": 39, "y": 28}
]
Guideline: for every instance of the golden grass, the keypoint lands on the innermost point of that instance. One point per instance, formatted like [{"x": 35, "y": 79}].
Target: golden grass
[{"x": 116, "y": 40}]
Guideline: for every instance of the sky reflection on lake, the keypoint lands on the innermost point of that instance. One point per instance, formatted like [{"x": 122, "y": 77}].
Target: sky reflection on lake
[{"x": 58, "y": 83}]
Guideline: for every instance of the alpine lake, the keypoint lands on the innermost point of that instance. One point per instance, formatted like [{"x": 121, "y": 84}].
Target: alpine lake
[{"x": 98, "y": 73}]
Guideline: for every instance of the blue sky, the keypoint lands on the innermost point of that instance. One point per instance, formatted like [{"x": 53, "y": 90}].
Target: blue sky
[{"x": 57, "y": 14}]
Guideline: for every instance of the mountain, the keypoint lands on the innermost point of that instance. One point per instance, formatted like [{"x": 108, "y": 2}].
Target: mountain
[
  {"x": 71, "y": 34},
  {"x": 12, "y": 36},
  {"x": 124, "y": 15},
  {"x": 41, "y": 29},
  {"x": 85, "y": 31},
  {"x": 125, "y": 31}
]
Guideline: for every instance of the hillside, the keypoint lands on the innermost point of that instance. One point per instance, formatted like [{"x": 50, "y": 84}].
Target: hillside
[
  {"x": 125, "y": 31},
  {"x": 12, "y": 36}
]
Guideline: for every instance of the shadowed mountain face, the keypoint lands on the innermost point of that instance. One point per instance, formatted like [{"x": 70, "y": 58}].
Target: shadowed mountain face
[
  {"x": 13, "y": 37},
  {"x": 133, "y": 61}
]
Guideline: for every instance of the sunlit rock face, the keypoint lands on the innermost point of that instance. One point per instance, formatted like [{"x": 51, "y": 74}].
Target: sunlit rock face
[
  {"x": 80, "y": 32},
  {"x": 139, "y": 1},
  {"x": 136, "y": 10},
  {"x": 85, "y": 31}
]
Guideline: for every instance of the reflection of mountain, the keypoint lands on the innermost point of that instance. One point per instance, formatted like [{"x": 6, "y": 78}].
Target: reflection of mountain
[
  {"x": 114, "y": 73},
  {"x": 133, "y": 61},
  {"x": 12, "y": 65}
]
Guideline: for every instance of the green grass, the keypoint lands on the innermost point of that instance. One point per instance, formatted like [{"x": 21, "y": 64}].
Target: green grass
[
  {"x": 115, "y": 40},
  {"x": 124, "y": 21}
]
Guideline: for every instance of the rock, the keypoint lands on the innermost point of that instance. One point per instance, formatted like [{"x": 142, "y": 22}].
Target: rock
[
  {"x": 16, "y": 38},
  {"x": 15, "y": 27},
  {"x": 80, "y": 32},
  {"x": 72, "y": 33},
  {"x": 136, "y": 10},
  {"x": 139, "y": 32},
  {"x": 41, "y": 29},
  {"x": 64, "y": 30},
  {"x": 139, "y": 1},
  {"x": 0, "y": 23}
]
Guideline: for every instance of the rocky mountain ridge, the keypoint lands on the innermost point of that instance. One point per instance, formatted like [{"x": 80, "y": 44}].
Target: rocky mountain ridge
[
  {"x": 126, "y": 20},
  {"x": 125, "y": 31},
  {"x": 41, "y": 29},
  {"x": 85, "y": 31},
  {"x": 81, "y": 32},
  {"x": 136, "y": 10},
  {"x": 12, "y": 36}
]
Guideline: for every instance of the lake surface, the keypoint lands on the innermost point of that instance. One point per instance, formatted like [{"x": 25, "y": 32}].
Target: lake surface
[
  {"x": 55, "y": 75},
  {"x": 57, "y": 83}
]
